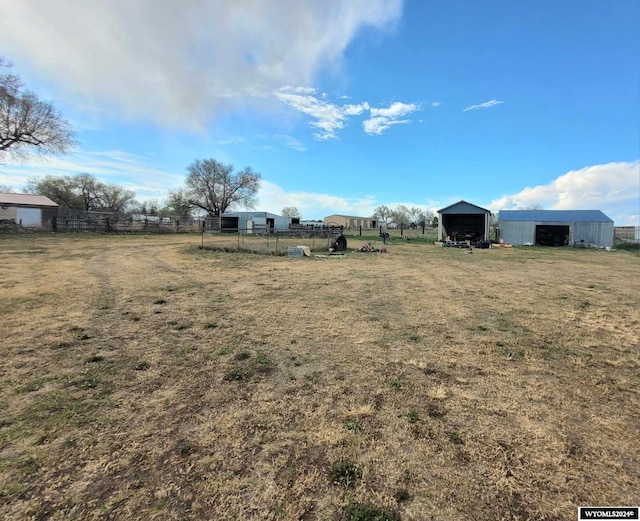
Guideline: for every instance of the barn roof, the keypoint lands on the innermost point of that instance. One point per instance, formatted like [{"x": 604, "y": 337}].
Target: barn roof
[
  {"x": 25, "y": 200},
  {"x": 463, "y": 207},
  {"x": 573, "y": 216}
]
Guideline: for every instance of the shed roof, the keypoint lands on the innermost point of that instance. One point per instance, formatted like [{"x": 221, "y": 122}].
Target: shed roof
[
  {"x": 573, "y": 216},
  {"x": 463, "y": 207},
  {"x": 25, "y": 200},
  {"x": 250, "y": 214}
]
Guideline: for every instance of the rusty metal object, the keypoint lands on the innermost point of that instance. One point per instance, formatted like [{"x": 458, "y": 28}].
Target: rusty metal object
[{"x": 339, "y": 243}]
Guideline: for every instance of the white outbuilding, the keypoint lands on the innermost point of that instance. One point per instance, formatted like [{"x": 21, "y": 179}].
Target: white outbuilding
[{"x": 556, "y": 228}]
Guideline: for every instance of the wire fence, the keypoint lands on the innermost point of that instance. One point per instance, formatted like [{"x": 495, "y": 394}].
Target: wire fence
[
  {"x": 279, "y": 242},
  {"x": 428, "y": 233},
  {"x": 273, "y": 242},
  {"x": 124, "y": 224}
]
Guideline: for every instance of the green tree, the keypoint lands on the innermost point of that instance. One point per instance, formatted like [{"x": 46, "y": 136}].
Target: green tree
[
  {"x": 215, "y": 187},
  {"x": 27, "y": 124}
]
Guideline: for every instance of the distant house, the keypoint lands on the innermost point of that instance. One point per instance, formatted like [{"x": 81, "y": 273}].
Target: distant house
[
  {"x": 27, "y": 210},
  {"x": 463, "y": 221},
  {"x": 556, "y": 227},
  {"x": 253, "y": 222},
  {"x": 350, "y": 221}
]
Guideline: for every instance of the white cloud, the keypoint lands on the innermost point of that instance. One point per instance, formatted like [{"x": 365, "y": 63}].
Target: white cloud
[
  {"x": 273, "y": 198},
  {"x": 230, "y": 140},
  {"x": 395, "y": 110},
  {"x": 290, "y": 142},
  {"x": 182, "y": 62},
  {"x": 355, "y": 110},
  {"x": 484, "y": 105},
  {"x": 613, "y": 188},
  {"x": 435, "y": 103},
  {"x": 330, "y": 118},
  {"x": 382, "y": 119},
  {"x": 376, "y": 126}
]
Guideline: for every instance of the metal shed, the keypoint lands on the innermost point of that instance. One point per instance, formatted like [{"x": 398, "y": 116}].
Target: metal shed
[
  {"x": 253, "y": 222},
  {"x": 556, "y": 227},
  {"x": 463, "y": 221},
  {"x": 27, "y": 210}
]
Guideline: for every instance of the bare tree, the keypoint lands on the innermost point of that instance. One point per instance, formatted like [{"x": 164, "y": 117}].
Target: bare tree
[
  {"x": 178, "y": 203},
  {"x": 89, "y": 188},
  {"x": 60, "y": 189},
  {"x": 114, "y": 198},
  {"x": 383, "y": 214},
  {"x": 215, "y": 187},
  {"x": 401, "y": 215},
  {"x": 27, "y": 124},
  {"x": 429, "y": 216},
  {"x": 291, "y": 211},
  {"x": 416, "y": 216},
  {"x": 82, "y": 192}
]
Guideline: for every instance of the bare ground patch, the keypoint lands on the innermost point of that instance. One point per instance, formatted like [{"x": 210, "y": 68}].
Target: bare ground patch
[{"x": 143, "y": 378}]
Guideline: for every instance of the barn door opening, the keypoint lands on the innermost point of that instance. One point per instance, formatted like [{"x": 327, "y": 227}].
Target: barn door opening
[
  {"x": 229, "y": 224},
  {"x": 552, "y": 235}
]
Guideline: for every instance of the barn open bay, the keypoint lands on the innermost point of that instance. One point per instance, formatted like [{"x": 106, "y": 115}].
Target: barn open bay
[{"x": 142, "y": 377}]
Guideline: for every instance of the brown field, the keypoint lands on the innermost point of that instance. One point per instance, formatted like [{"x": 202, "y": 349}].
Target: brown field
[{"x": 143, "y": 378}]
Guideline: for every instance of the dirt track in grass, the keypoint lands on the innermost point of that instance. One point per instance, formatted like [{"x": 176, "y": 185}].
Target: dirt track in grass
[{"x": 143, "y": 378}]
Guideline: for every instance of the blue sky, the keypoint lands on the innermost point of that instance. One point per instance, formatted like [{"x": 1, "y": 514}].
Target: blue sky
[{"x": 345, "y": 105}]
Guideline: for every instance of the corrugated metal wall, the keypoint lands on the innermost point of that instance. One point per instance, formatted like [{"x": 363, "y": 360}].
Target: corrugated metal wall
[
  {"x": 259, "y": 219},
  {"x": 524, "y": 232},
  {"x": 600, "y": 234},
  {"x": 518, "y": 232}
]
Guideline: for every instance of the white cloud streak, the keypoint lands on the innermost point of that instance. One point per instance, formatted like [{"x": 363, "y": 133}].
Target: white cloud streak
[
  {"x": 290, "y": 142},
  {"x": 613, "y": 188},
  {"x": 181, "y": 63},
  {"x": 484, "y": 105},
  {"x": 112, "y": 166}
]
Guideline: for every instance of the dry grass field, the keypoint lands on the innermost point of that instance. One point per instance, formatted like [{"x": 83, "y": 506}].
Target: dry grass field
[{"x": 144, "y": 378}]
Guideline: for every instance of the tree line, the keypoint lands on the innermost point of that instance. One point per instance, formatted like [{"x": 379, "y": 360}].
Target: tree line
[
  {"x": 401, "y": 215},
  {"x": 210, "y": 188},
  {"x": 29, "y": 126}
]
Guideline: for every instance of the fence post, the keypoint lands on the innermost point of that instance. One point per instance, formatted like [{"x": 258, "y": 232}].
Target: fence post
[
  {"x": 276, "y": 243},
  {"x": 401, "y": 229},
  {"x": 360, "y": 230},
  {"x": 238, "y": 239}
]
